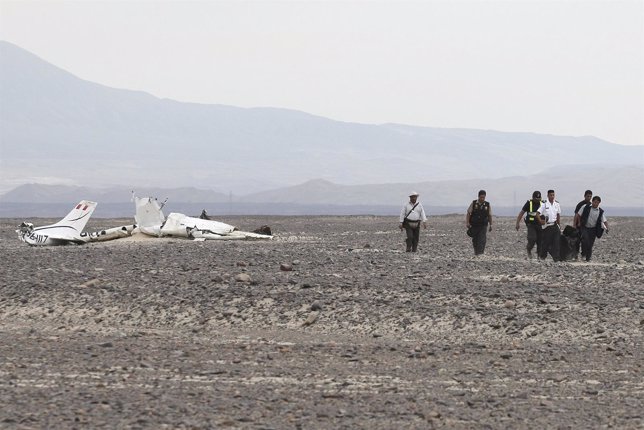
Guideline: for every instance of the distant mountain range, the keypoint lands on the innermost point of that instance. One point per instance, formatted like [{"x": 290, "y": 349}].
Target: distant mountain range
[
  {"x": 620, "y": 187},
  {"x": 56, "y": 128}
]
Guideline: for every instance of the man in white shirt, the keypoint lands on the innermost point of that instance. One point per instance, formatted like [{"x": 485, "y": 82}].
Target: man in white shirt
[
  {"x": 412, "y": 215},
  {"x": 551, "y": 228}
]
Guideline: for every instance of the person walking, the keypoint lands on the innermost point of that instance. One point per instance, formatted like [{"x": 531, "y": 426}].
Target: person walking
[
  {"x": 576, "y": 223},
  {"x": 477, "y": 219},
  {"x": 588, "y": 195},
  {"x": 412, "y": 215},
  {"x": 593, "y": 223},
  {"x": 551, "y": 238},
  {"x": 533, "y": 221}
]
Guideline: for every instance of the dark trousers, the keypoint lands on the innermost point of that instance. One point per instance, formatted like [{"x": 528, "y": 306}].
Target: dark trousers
[
  {"x": 588, "y": 236},
  {"x": 534, "y": 237},
  {"x": 550, "y": 242},
  {"x": 479, "y": 238},
  {"x": 577, "y": 243},
  {"x": 413, "y": 235}
]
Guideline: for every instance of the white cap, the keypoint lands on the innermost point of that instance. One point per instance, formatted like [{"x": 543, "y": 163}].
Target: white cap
[{"x": 414, "y": 193}]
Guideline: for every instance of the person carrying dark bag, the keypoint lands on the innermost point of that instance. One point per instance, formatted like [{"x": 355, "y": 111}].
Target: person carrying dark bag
[
  {"x": 593, "y": 224},
  {"x": 412, "y": 215},
  {"x": 479, "y": 216},
  {"x": 588, "y": 195}
]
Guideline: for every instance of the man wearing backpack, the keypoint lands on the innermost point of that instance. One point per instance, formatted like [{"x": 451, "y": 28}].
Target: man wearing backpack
[
  {"x": 477, "y": 219},
  {"x": 592, "y": 223}
]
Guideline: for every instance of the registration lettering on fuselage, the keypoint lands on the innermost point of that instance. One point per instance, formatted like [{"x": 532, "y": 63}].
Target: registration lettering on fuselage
[{"x": 37, "y": 238}]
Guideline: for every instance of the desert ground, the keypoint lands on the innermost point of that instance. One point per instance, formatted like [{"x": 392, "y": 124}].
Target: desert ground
[{"x": 165, "y": 333}]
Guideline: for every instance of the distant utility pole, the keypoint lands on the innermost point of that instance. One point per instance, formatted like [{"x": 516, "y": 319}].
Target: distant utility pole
[{"x": 514, "y": 198}]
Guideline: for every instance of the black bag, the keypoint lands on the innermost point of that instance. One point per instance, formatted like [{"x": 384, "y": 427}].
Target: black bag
[
  {"x": 570, "y": 231},
  {"x": 411, "y": 224},
  {"x": 470, "y": 232}
]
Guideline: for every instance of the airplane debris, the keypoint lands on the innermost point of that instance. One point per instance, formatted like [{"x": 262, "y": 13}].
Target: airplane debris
[
  {"x": 67, "y": 230},
  {"x": 151, "y": 221},
  {"x": 109, "y": 234}
]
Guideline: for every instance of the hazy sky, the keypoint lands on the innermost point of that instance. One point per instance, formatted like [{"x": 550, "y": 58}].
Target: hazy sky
[{"x": 559, "y": 67}]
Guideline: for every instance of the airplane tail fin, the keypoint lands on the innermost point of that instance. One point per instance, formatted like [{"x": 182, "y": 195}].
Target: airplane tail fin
[
  {"x": 149, "y": 216},
  {"x": 78, "y": 217}
]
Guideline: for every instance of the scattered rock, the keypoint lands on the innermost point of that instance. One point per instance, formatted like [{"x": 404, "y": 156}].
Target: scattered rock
[
  {"x": 384, "y": 338},
  {"x": 434, "y": 414},
  {"x": 90, "y": 283},
  {"x": 285, "y": 267},
  {"x": 242, "y": 277},
  {"x": 313, "y": 316},
  {"x": 229, "y": 312}
]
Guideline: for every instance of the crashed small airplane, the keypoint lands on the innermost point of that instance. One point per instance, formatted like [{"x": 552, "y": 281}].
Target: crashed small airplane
[
  {"x": 151, "y": 221},
  {"x": 68, "y": 230}
]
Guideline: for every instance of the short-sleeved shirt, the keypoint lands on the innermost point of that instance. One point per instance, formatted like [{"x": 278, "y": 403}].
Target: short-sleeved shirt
[
  {"x": 580, "y": 205},
  {"x": 550, "y": 211}
]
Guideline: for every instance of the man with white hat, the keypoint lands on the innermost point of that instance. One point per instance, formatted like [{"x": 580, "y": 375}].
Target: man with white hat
[{"x": 411, "y": 216}]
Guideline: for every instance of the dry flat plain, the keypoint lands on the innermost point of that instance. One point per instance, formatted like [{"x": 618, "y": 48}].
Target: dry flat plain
[{"x": 159, "y": 333}]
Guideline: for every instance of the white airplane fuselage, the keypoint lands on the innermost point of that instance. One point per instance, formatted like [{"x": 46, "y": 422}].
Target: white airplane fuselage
[
  {"x": 67, "y": 230},
  {"x": 50, "y": 235}
]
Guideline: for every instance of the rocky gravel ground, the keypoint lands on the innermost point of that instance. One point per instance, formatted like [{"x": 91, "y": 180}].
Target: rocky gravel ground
[{"x": 329, "y": 325}]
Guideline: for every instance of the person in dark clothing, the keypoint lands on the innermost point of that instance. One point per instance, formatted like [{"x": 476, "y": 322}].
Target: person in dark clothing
[
  {"x": 593, "y": 224},
  {"x": 577, "y": 220},
  {"x": 533, "y": 221},
  {"x": 477, "y": 220}
]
